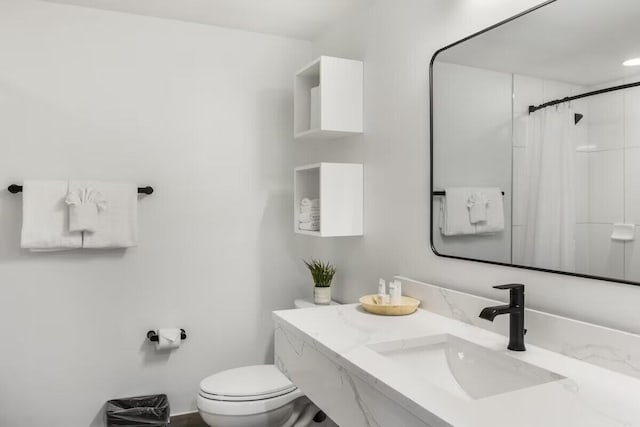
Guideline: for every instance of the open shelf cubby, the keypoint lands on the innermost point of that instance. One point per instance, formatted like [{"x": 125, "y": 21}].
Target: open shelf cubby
[
  {"x": 340, "y": 105},
  {"x": 339, "y": 186}
]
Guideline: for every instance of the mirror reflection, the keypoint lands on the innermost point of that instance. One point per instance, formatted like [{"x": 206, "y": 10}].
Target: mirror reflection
[{"x": 536, "y": 142}]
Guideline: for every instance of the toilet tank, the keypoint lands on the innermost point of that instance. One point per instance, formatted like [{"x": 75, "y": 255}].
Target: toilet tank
[{"x": 303, "y": 303}]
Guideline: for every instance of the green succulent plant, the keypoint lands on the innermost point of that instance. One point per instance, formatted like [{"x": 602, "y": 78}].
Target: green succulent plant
[{"x": 322, "y": 272}]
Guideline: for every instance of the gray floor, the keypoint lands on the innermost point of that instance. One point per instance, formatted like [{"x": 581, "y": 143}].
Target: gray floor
[
  {"x": 187, "y": 420},
  {"x": 194, "y": 420}
]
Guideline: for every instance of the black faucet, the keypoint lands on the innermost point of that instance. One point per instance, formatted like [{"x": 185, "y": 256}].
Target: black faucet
[{"x": 515, "y": 310}]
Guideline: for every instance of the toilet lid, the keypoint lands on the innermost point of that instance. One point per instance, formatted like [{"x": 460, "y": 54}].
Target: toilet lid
[{"x": 247, "y": 382}]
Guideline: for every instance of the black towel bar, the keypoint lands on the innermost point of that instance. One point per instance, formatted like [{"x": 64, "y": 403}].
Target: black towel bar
[
  {"x": 14, "y": 188},
  {"x": 443, "y": 193}
]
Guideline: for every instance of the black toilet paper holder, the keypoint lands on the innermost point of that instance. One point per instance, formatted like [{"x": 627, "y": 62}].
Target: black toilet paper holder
[{"x": 153, "y": 335}]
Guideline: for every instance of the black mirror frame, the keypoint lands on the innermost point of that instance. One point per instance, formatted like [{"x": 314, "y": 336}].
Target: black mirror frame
[{"x": 431, "y": 189}]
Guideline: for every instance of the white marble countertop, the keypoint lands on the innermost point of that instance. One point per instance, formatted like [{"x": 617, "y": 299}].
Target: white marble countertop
[{"x": 588, "y": 396}]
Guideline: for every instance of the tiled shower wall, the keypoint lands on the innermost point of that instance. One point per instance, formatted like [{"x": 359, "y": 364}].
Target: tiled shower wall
[
  {"x": 607, "y": 172},
  {"x": 614, "y": 181}
]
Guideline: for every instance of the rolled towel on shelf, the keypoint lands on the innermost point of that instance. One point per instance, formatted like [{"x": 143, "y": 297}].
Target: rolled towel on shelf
[
  {"x": 311, "y": 203},
  {"x": 309, "y": 210},
  {"x": 309, "y": 216},
  {"x": 45, "y": 217}
]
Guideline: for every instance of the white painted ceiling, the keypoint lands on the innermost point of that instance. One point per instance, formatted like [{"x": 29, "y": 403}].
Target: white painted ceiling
[
  {"x": 576, "y": 41},
  {"x": 302, "y": 19}
]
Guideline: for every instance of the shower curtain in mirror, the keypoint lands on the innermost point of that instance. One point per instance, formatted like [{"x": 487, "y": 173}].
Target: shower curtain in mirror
[{"x": 551, "y": 198}]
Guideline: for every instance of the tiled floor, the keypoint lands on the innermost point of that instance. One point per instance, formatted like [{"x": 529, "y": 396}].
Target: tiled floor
[
  {"x": 194, "y": 420},
  {"x": 187, "y": 420}
]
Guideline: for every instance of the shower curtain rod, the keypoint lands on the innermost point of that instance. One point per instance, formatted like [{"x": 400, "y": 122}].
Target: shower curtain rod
[{"x": 534, "y": 108}]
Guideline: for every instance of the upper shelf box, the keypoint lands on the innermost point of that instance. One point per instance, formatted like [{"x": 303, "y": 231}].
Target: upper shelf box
[{"x": 338, "y": 102}]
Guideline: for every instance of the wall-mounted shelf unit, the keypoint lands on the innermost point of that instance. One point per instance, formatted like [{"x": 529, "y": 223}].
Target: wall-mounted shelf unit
[
  {"x": 339, "y": 186},
  {"x": 340, "y": 99}
]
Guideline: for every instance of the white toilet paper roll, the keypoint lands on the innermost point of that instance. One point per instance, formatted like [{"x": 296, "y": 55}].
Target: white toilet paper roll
[{"x": 168, "y": 339}]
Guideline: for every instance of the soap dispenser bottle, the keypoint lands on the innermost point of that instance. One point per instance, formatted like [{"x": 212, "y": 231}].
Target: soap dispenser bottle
[
  {"x": 395, "y": 291},
  {"x": 382, "y": 296}
]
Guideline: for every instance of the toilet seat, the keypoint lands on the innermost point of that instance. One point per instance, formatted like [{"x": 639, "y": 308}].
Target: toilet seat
[
  {"x": 246, "y": 391},
  {"x": 247, "y": 398},
  {"x": 252, "y": 407}
]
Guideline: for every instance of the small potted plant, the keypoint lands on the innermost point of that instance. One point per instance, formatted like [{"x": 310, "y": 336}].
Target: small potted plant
[{"x": 322, "y": 273}]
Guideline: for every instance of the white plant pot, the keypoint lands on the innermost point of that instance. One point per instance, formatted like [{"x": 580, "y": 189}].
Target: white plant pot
[{"x": 322, "y": 296}]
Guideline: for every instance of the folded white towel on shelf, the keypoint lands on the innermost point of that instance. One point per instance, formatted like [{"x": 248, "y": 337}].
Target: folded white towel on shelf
[
  {"x": 309, "y": 216},
  {"x": 309, "y": 209},
  {"x": 311, "y": 203},
  {"x": 45, "y": 217},
  {"x": 85, "y": 203},
  {"x": 478, "y": 203},
  {"x": 495, "y": 211},
  {"x": 117, "y": 226}
]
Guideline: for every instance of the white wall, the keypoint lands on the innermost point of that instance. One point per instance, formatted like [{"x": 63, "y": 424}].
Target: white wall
[
  {"x": 473, "y": 128},
  {"x": 396, "y": 39},
  {"x": 204, "y": 115}
]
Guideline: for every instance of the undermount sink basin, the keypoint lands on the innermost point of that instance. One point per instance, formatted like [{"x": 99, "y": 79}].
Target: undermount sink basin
[{"x": 463, "y": 368}]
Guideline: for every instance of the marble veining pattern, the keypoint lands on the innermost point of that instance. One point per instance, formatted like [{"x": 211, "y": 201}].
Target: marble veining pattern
[
  {"x": 343, "y": 395},
  {"x": 326, "y": 352},
  {"x": 603, "y": 356},
  {"x": 601, "y": 346}
]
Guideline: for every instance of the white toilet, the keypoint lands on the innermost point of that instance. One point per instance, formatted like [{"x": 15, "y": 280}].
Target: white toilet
[{"x": 253, "y": 396}]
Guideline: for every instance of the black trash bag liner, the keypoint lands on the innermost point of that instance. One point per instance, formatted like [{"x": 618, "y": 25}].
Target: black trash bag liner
[{"x": 150, "y": 411}]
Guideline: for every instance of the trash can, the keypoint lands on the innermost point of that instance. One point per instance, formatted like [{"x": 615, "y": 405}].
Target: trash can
[{"x": 150, "y": 411}]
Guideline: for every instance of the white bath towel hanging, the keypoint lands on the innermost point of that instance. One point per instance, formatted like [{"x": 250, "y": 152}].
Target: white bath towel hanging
[
  {"x": 45, "y": 217},
  {"x": 495, "y": 211},
  {"x": 454, "y": 212},
  {"x": 118, "y": 225},
  {"x": 456, "y": 217}
]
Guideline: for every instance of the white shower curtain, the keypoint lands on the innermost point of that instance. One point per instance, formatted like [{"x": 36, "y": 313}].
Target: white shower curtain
[{"x": 551, "y": 200}]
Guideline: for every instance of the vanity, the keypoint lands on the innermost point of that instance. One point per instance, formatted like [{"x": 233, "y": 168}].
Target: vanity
[{"x": 447, "y": 367}]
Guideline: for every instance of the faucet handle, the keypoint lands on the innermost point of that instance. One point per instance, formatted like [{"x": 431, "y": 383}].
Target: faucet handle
[{"x": 511, "y": 286}]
